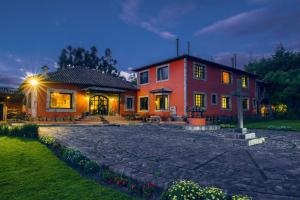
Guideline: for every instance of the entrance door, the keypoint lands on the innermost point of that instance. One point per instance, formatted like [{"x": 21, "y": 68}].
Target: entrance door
[
  {"x": 99, "y": 105},
  {"x": 1, "y": 111}
]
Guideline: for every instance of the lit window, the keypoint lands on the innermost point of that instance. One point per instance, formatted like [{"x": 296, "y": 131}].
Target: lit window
[
  {"x": 226, "y": 102},
  {"x": 144, "y": 77},
  {"x": 226, "y": 77},
  {"x": 199, "y": 71},
  {"x": 143, "y": 103},
  {"x": 245, "y": 103},
  {"x": 60, "y": 100},
  {"x": 129, "y": 103},
  {"x": 162, "y": 73},
  {"x": 199, "y": 100},
  {"x": 245, "y": 81},
  {"x": 214, "y": 100},
  {"x": 161, "y": 102}
]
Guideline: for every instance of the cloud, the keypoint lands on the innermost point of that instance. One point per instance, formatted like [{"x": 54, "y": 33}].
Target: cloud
[
  {"x": 6, "y": 79},
  {"x": 18, "y": 60},
  {"x": 130, "y": 14},
  {"x": 275, "y": 20}
]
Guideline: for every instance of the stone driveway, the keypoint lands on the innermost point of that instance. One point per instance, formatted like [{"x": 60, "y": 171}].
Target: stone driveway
[{"x": 162, "y": 154}]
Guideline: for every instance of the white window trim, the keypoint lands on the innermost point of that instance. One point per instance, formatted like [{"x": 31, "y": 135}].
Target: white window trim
[
  {"x": 214, "y": 104},
  {"x": 133, "y": 103},
  {"x": 248, "y": 81},
  {"x": 139, "y": 104},
  {"x": 51, "y": 90},
  {"x": 139, "y": 77},
  {"x": 168, "y": 109},
  {"x": 162, "y": 66},
  {"x": 230, "y": 103},
  {"x": 205, "y": 71},
  {"x": 205, "y": 98},
  {"x": 222, "y": 77},
  {"x": 248, "y": 106}
]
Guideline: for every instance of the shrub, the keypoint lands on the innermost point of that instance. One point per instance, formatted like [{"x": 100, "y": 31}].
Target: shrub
[
  {"x": 27, "y": 130},
  {"x": 213, "y": 193},
  {"x": 72, "y": 156},
  {"x": 30, "y": 130},
  {"x": 240, "y": 197},
  {"x": 227, "y": 126},
  {"x": 148, "y": 189},
  {"x": 48, "y": 140},
  {"x": 183, "y": 189},
  {"x": 91, "y": 167}
]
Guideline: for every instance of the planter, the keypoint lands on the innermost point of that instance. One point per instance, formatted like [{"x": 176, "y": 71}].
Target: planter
[{"x": 197, "y": 121}]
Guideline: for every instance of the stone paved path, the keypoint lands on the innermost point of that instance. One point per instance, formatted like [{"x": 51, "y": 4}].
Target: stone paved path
[{"x": 165, "y": 153}]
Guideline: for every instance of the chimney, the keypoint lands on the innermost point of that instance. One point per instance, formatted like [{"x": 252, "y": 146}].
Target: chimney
[
  {"x": 177, "y": 46},
  {"x": 188, "y": 48},
  {"x": 45, "y": 69}
]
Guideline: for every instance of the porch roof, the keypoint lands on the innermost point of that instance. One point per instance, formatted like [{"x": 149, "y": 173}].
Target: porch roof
[
  {"x": 103, "y": 89},
  {"x": 161, "y": 90}
]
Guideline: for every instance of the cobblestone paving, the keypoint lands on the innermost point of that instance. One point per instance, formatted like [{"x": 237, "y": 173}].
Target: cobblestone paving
[{"x": 165, "y": 153}]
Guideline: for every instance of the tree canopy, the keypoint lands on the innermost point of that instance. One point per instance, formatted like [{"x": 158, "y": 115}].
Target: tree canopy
[
  {"x": 282, "y": 72},
  {"x": 78, "y": 57}
]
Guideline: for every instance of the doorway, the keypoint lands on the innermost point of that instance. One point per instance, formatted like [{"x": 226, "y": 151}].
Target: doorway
[{"x": 98, "y": 105}]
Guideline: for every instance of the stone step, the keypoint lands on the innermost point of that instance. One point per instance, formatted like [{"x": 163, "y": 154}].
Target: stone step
[
  {"x": 255, "y": 141},
  {"x": 246, "y": 136}
]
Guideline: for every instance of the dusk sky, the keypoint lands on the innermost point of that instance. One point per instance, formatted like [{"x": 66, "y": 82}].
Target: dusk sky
[{"x": 139, "y": 32}]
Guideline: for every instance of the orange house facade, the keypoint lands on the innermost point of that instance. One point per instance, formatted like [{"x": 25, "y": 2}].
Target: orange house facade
[
  {"x": 176, "y": 86},
  {"x": 170, "y": 88}
]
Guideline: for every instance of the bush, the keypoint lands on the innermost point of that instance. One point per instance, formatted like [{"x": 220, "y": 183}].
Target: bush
[
  {"x": 182, "y": 190},
  {"x": 91, "y": 167},
  {"x": 240, "y": 197},
  {"x": 47, "y": 140},
  {"x": 27, "y": 130},
  {"x": 213, "y": 193},
  {"x": 227, "y": 126},
  {"x": 72, "y": 156}
]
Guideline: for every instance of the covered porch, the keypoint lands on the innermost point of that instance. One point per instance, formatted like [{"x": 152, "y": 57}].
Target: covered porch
[{"x": 103, "y": 100}]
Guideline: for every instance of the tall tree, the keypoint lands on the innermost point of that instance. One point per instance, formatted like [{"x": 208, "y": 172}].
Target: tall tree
[
  {"x": 282, "y": 72},
  {"x": 109, "y": 63}
]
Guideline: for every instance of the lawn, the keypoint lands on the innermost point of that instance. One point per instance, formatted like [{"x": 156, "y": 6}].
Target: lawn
[
  {"x": 294, "y": 124},
  {"x": 29, "y": 170}
]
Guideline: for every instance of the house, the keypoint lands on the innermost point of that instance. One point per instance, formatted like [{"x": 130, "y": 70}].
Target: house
[
  {"x": 70, "y": 93},
  {"x": 167, "y": 88},
  {"x": 176, "y": 85},
  {"x": 10, "y": 103}
]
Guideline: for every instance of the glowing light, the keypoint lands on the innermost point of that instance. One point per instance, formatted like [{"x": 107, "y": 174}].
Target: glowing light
[
  {"x": 33, "y": 82},
  {"x": 8, "y": 97}
]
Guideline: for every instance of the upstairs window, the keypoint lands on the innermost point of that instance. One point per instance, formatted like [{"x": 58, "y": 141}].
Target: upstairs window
[
  {"x": 199, "y": 71},
  {"x": 144, "y": 77},
  {"x": 199, "y": 100},
  {"x": 226, "y": 78},
  {"x": 162, "y": 73},
  {"x": 245, "y": 103},
  {"x": 214, "y": 99},
  {"x": 162, "y": 102},
  {"x": 60, "y": 100},
  {"x": 144, "y": 103},
  {"x": 226, "y": 102},
  {"x": 245, "y": 81}
]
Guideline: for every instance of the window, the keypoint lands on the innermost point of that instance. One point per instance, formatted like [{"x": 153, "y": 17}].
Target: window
[
  {"x": 162, "y": 102},
  {"x": 60, "y": 100},
  {"x": 245, "y": 103},
  {"x": 226, "y": 102},
  {"x": 162, "y": 73},
  {"x": 143, "y": 103},
  {"x": 199, "y": 100},
  {"x": 199, "y": 71},
  {"x": 245, "y": 81},
  {"x": 226, "y": 78},
  {"x": 129, "y": 101},
  {"x": 214, "y": 99},
  {"x": 254, "y": 103},
  {"x": 144, "y": 77}
]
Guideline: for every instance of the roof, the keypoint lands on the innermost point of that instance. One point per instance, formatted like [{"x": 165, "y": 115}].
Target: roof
[
  {"x": 103, "y": 89},
  {"x": 197, "y": 59},
  {"x": 88, "y": 77},
  {"x": 8, "y": 90}
]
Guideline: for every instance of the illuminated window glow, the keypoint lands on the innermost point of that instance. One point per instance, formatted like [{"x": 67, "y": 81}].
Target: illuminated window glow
[
  {"x": 199, "y": 71},
  {"x": 60, "y": 100},
  {"x": 226, "y": 78},
  {"x": 162, "y": 102},
  {"x": 245, "y": 81},
  {"x": 199, "y": 100},
  {"x": 226, "y": 102}
]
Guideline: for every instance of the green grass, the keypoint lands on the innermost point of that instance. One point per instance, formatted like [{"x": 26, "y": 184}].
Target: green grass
[
  {"x": 294, "y": 124},
  {"x": 29, "y": 170}
]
